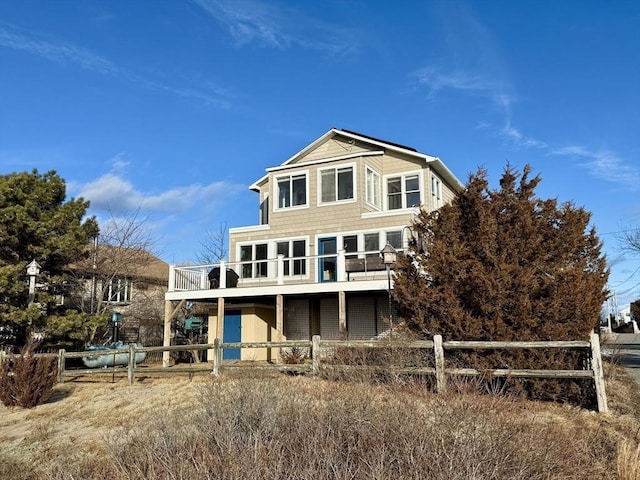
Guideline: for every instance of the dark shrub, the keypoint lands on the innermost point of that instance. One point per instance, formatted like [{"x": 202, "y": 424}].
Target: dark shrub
[{"x": 27, "y": 380}]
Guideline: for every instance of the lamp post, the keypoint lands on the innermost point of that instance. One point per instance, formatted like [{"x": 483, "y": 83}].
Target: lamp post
[
  {"x": 115, "y": 318},
  {"x": 389, "y": 256},
  {"x": 33, "y": 270}
]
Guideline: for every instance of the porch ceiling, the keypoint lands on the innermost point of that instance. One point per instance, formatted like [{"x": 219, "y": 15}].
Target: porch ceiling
[{"x": 271, "y": 290}]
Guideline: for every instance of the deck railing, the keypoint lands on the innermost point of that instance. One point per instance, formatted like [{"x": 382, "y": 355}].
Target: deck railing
[{"x": 277, "y": 271}]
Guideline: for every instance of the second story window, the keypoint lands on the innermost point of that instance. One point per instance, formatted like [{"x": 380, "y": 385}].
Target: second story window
[
  {"x": 118, "y": 290},
  {"x": 372, "y": 245},
  {"x": 436, "y": 191},
  {"x": 403, "y": 192},
  {"x": 294, "y": 252},
  {"x": 292, "y": 190},
  {"x": 373, "y": 188},
  {"x": 336, "y": 184},
  {"x": 264, "y": 210},
  {"x": 253, "y": 259}
]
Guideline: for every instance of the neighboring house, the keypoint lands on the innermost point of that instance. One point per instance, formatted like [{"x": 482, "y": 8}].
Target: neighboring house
[
  {"x": 312, "y": 263},
  {"x": 129, "y": 281},
  {"x": 626, "y": 324}
]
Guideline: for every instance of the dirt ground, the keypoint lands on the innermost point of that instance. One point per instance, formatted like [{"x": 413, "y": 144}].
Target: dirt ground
[{"x": 87, "y": 410}]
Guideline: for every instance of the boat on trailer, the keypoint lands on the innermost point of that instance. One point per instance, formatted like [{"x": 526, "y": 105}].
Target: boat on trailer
[{"x": 110, "y": 355}]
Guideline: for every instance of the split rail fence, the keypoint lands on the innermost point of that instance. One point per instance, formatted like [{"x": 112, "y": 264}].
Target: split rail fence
[{"x": 593, "y": 371}]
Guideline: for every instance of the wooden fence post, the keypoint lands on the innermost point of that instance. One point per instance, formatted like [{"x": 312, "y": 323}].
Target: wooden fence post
[
  {"x": 132, "y": 363},
  {"x": 438, "y": 351},
  {"x": 598, "y": 374},
  {"x": 61, "y": 361},
  {"x": 315, "y": 354},
  {"x": 216, "y": 357}
]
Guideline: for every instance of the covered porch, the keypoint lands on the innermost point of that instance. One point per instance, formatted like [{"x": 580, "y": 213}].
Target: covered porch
[{"x": 352, "y": 300}]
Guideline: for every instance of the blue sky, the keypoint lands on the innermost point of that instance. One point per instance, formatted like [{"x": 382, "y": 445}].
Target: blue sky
[{"x": 178, "y": 106}]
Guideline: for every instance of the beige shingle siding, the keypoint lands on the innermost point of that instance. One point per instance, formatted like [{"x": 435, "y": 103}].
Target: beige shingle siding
[
  {"x": 334, "y": 147},
  {"x": 314, "y": 219}
]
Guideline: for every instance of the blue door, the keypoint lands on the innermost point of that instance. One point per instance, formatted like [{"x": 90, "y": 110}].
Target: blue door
[
  {"x": 231, "y": 332},
  {"x": 327, "y": 265}
]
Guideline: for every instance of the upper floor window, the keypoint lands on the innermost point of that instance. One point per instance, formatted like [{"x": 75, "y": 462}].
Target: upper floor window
[
  {"x": 117, "y": 290},
  {"x": 264, "y": 210},
  {"x": 372, "y": 244},
  {"x": 373, "y": 188},
  {"x": 394, "y": 238},
  {"x": 336, "y": 184},
  {"x": 403, "y": 191},
  {"x": 294, "y": 252},
  {"x": 350, "y": 244},
  {"x": 292, "y": 190},
  {"x": 253, "y": 259},
  {"x": 436, "y": 191}
]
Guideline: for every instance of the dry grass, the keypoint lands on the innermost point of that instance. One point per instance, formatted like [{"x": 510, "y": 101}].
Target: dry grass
[{"x": 296, "y": 427}]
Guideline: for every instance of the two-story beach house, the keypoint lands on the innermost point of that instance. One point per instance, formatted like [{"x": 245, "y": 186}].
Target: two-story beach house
[{"x": 312, "y": 264}]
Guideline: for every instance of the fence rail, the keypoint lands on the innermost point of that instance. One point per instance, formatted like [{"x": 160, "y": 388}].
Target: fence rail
[{"x": 316, "y": 345}]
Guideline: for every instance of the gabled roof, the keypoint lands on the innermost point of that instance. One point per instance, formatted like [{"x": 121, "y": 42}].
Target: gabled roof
[
  {"x": 434, "y": 162},
  {"x": 133, "y": 262}
]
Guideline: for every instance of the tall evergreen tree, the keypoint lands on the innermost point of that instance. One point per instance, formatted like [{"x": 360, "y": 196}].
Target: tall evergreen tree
[
  {"x": 37, "y": 222},
  {"x": 503, "y": 265}
]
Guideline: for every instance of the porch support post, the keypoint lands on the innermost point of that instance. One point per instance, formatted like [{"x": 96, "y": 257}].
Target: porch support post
[
  {"x": 212, "y": 329},
  {"x": 279, "y": 324},
  {"x": 219, "y": 326},
  {"x": 280, "y": 316},
  {"x": 342, "y": 312},
  {"x": 169, "y": 313}
]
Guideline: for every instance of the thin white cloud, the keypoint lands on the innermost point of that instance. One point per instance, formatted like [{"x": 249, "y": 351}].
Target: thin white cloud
[
  {"x": 265, "y": 24},
  {"x": 473, "y": 64},
  {"x": 518, "y": 139},
  {"x": 114, "y": 194},
  {"x": 119, "y": 163},
  {"x": 436, "y": 78},
  {"x": 69, "y": 54},
  {"x": 57, "y": 52},
  {"x": 603, "y": 164}
]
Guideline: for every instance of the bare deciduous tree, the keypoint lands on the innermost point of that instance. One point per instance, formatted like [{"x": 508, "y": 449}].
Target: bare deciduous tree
[
  {"x": 629, "y": 240},
  {"x": 214, "y": 245},
  {"x": 120, "y": 265}
]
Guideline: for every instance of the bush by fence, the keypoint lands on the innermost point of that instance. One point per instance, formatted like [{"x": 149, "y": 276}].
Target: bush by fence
[{"x": 27, "y": 379}]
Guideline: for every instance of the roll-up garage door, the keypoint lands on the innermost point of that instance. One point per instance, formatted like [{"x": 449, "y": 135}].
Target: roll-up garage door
[
  {"x": 329, "y": 325},
  {"x": 296, "y": 325},
  {"x": 361, "y": 318}
]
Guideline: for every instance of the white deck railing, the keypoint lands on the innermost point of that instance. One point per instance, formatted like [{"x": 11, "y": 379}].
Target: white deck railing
[{"x": 274, "y": 271}]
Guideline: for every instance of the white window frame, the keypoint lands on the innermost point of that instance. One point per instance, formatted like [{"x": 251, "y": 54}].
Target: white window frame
[
  {"x": 254, "y": 263},
  {"x": 373, "y": 186},
  {"x": 436, "y": 191},
  {"x": 291, "y": 259},
  {"x": 264, "y": 209},
  {"x": 403, "y": 192},
  {"x": 121, "y": 295},
  {"x": 276, "y": 190},
  {"x": 336, "y": 168}
]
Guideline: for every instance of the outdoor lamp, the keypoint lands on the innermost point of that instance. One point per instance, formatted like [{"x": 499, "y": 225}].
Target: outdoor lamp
[
  {"x": 389, "y": 255},
  {"x": 33, "y": 270}
]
